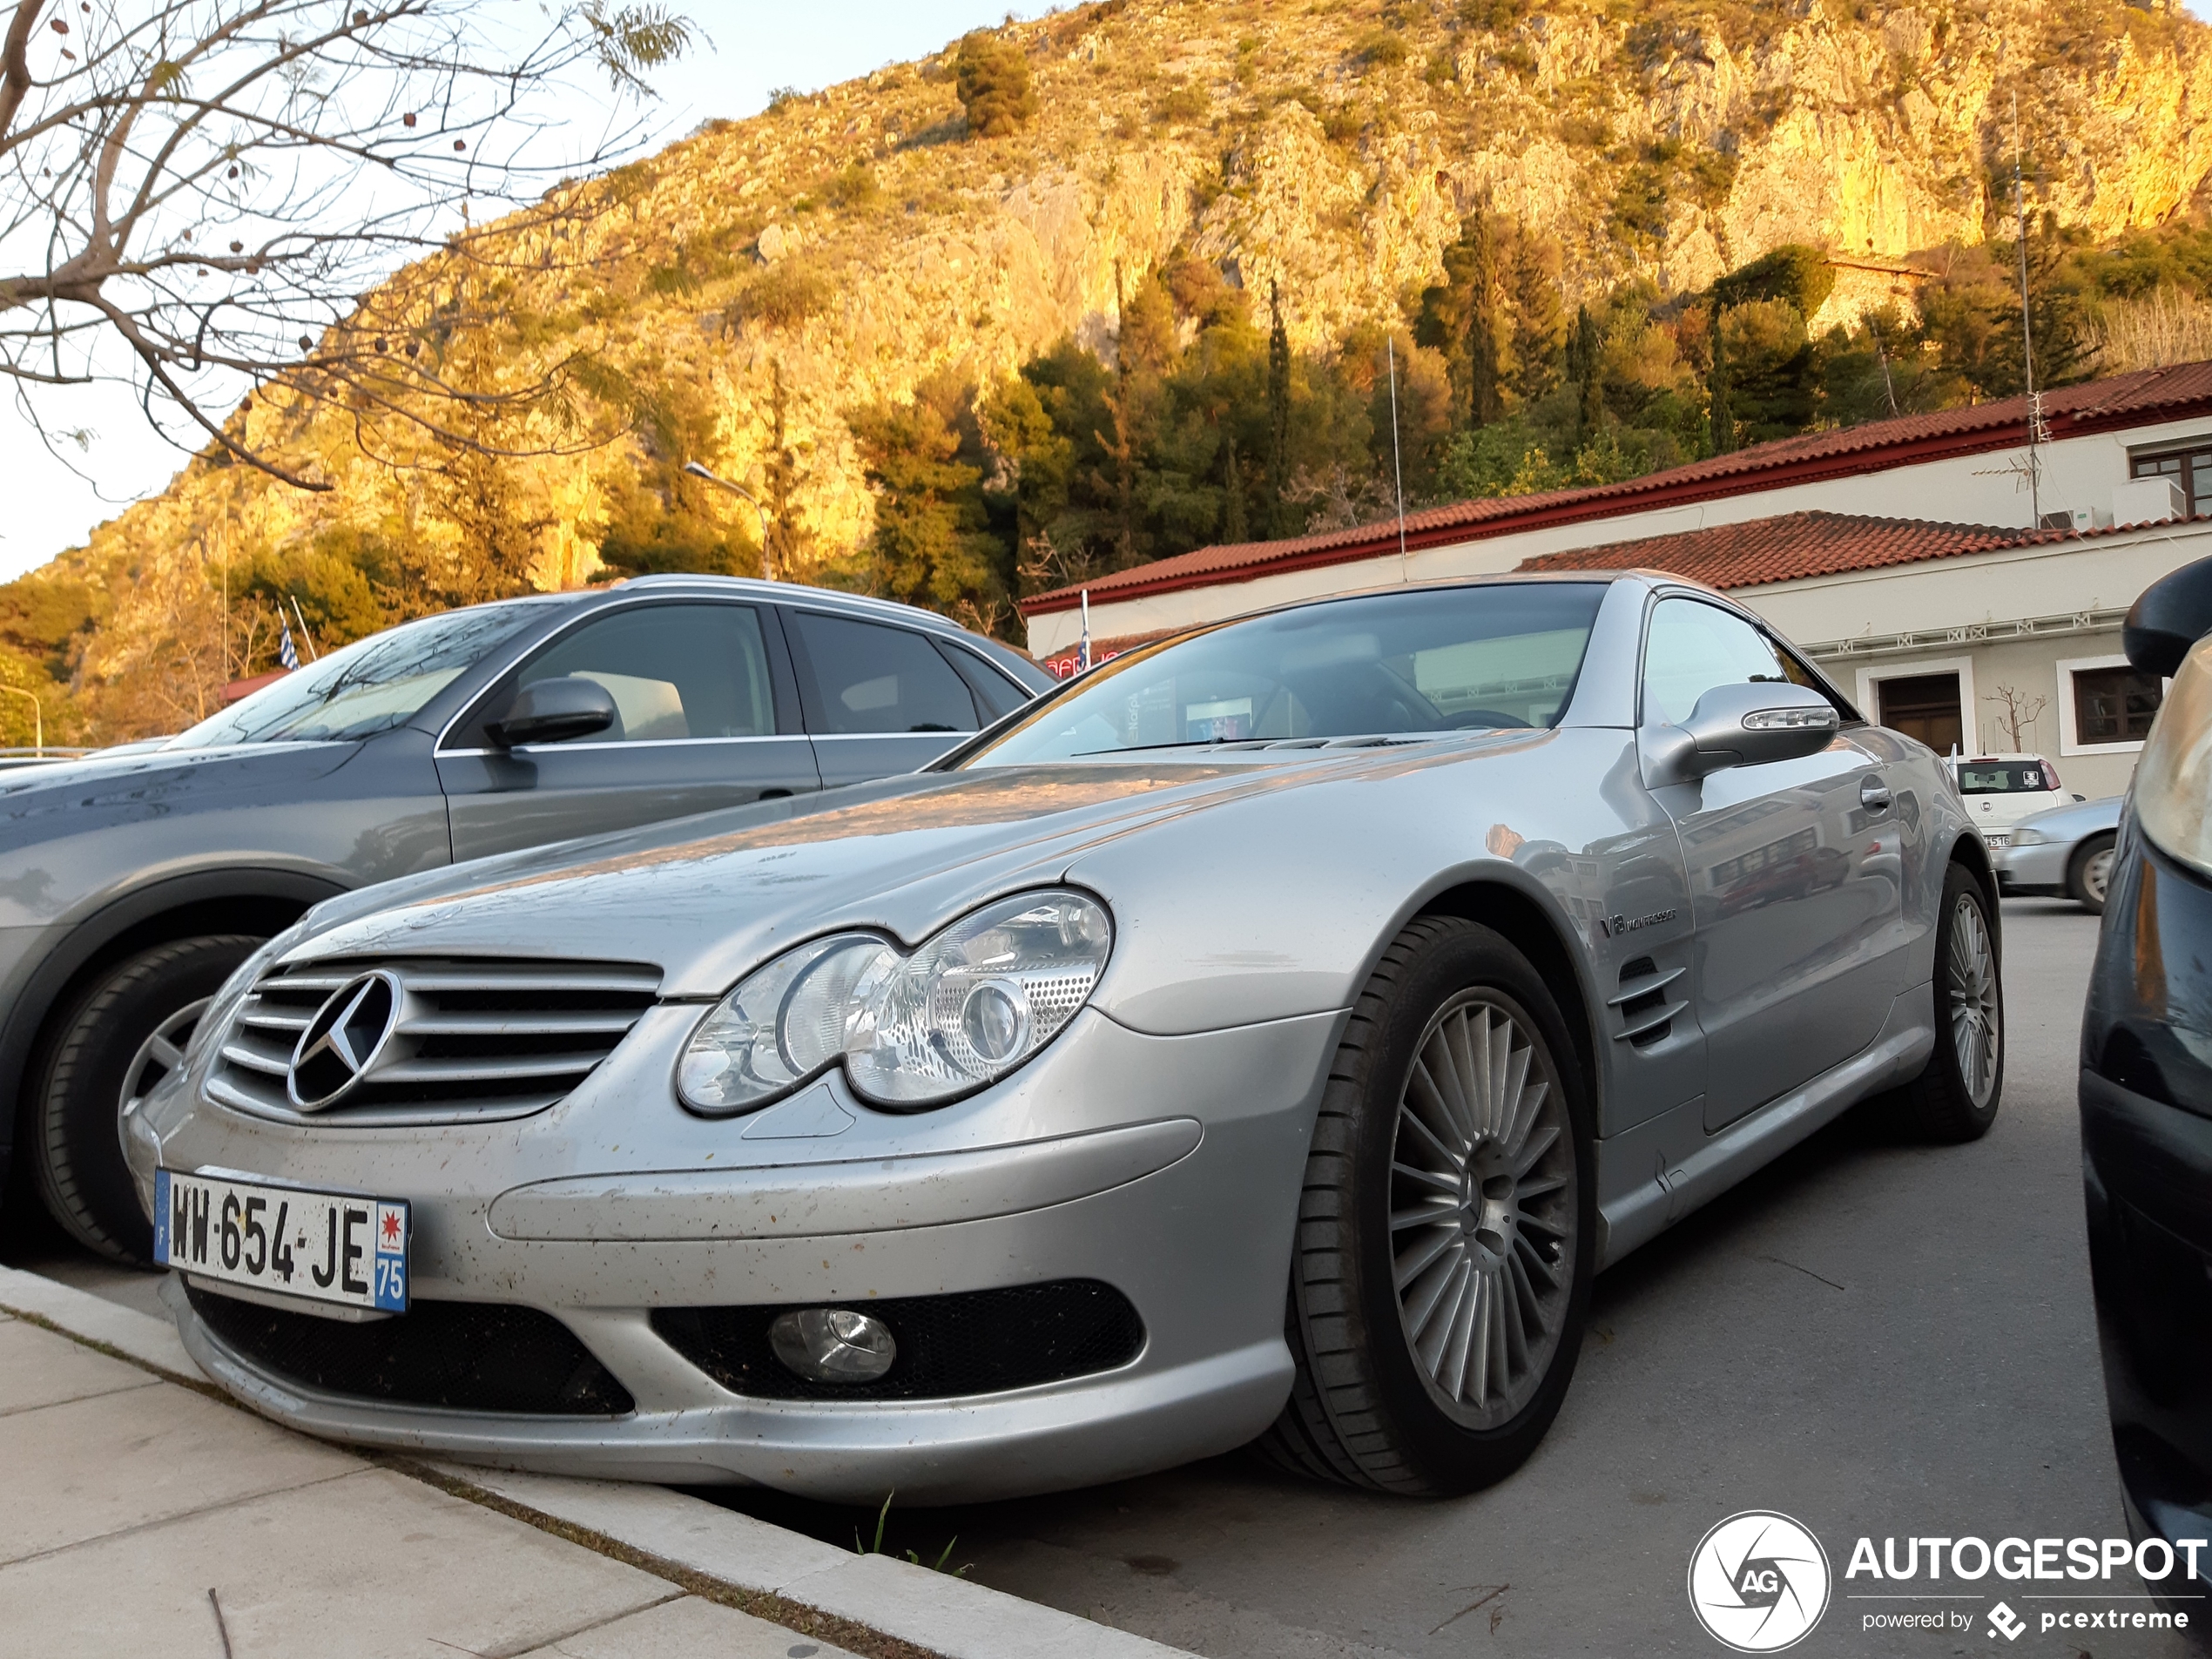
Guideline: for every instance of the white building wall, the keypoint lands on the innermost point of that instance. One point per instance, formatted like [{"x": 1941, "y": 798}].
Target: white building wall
[{"x": 2077, "y": 473}]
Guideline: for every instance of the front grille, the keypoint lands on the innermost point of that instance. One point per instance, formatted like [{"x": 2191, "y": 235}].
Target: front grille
[
  {"x": 978, "y": 1342},
  {"x": 458, "y": 1356},
  {"x": 477, "y": 1037}
]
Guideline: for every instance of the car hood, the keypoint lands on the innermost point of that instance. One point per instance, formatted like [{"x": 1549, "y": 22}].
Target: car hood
[
  {"x": 707, "y": 899},
  {"x": 39, "y": 802}
]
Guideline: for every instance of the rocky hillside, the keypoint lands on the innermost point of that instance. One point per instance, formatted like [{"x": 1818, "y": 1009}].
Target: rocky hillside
[{"x": 759, "y": 281}]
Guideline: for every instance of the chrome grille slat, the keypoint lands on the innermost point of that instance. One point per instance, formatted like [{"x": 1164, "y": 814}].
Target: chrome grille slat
[
  {"x": 474, "y": 1040},
  {"x": 465, "y": 1071}
]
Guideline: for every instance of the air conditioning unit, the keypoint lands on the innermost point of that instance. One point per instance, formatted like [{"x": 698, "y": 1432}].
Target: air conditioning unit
[
  {"x": 2069, "y": 518},
  {"x": 2149, "y": 501}
]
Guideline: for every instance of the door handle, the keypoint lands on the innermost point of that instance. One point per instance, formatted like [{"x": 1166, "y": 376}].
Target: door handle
[{"x": 1874, "y": 794}]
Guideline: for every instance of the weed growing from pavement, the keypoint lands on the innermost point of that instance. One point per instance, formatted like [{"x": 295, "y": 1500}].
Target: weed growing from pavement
[{"x": 882, "y": 1518}]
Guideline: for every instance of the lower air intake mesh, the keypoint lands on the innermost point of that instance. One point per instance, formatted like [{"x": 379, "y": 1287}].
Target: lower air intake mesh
[
  {"x": 980, "y": 1342},
  {"x": 458, "y": 1356}
]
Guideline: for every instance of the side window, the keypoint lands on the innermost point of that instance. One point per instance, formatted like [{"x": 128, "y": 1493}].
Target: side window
[
  {"x": 1691, "y": 648},
  {"x": 674, "y": 670},
  {"x": 864, "y": 677},
  {"x": 995, "y": 694}
]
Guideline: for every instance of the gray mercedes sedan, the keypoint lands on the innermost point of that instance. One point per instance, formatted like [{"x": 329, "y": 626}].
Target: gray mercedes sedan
[
  {"x": 133, "y": 883},
  {"x": 1268, "y": 1035}
]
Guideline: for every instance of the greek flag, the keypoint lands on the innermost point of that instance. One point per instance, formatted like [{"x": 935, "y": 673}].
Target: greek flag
[{"x": 288, "y": 653}]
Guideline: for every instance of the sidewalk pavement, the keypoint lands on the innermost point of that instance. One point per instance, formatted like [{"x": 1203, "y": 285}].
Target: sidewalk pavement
[{"x": 146, "y": 1512}]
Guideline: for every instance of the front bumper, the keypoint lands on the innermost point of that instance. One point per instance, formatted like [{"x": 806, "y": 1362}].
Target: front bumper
[
  {"x": 1181, "y": 1192},
  {"x": 2037, "y": 869}
]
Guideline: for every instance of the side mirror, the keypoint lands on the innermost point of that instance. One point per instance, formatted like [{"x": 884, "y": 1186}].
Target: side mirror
[
  {"x": 2173, "y": 614},
  {"x": 1746, "y": 726},
  {"x": 553, "y": 712}
]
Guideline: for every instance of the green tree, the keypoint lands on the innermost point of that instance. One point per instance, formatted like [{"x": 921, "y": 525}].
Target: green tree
[
  {"x": 933, "y": 543},
  {"x": 1278, "y": 416},
  {"x": 1459, "y": 317},
  {"x": 1540, "y": 323},
  {"x": 993, "y": 78}
]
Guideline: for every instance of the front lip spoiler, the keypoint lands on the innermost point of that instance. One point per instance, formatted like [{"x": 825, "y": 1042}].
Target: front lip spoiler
[
  {"x": 845, "y": 1195},
  {"x": 1084, "y": 1432}
]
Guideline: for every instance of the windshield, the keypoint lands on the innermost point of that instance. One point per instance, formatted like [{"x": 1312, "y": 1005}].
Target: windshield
[
  {"x": 1449, "y": 659},
  {"x": 371, "y": 686},
  {"x": 2006, "y": 778}
]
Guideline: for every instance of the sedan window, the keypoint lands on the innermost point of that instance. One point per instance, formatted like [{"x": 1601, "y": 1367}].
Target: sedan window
[
  {"x": 674, "y": 670},
  {"x": 1502, "y": 657},
  {"x": 862, "y": 677},
  {"x": 370, "y": 686}
]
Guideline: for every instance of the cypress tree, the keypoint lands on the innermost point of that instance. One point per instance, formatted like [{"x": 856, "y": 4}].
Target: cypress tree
[
  {"x": 1278, "y": 416},
  {"x": 1234, "y": 528},
  {"x": 1586, "y": 365},
  {"x": 1724, "y": 419},
  {"x": 1483, "y": 367}
]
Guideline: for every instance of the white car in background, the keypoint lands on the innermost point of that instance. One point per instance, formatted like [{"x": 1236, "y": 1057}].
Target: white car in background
[{"x": 2002, "y": 789}]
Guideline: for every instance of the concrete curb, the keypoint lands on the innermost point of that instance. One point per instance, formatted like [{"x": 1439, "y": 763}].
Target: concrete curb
[{"x": 948, "y": 1615}]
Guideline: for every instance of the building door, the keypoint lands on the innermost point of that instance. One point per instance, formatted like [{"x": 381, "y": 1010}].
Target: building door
[{"x": 1924, "y": 706}]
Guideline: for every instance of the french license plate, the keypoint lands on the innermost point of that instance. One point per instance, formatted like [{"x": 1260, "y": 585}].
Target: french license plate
[{"x": 321, "y": 1246}]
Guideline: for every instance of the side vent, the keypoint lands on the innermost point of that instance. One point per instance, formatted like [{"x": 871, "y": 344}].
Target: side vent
[{"x": 1647, "y": 1012}]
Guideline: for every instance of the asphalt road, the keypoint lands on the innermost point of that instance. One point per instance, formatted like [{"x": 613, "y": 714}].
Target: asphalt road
[{"x": 1874, "y": 1336}]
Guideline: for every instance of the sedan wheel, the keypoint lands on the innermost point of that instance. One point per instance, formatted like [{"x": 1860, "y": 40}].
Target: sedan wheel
[
  {"x": 2091, "y": 873},
  {"x": 1446, "y": 1236},
  {"x": 99, "y": 1058},
  {"x": 1956, "y": 1095}
]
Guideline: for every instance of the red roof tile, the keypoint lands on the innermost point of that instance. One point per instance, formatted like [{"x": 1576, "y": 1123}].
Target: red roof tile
[
  {"x": 1791, "y": 546},
  {"x": 2095, "y": 406}
]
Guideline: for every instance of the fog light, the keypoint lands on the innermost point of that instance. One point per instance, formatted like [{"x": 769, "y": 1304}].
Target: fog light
[{"x": 832, "y": 1344}]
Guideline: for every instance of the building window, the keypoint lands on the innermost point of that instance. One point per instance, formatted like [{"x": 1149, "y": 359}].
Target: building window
[
  {"x": 2191, "y": 469},
  {"x": 2105, "y": 705}
]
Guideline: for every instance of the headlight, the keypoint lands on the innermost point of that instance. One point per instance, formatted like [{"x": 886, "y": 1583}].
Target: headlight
[
  {"x": 2174, "y": 778},
  {"x": 2028, "y": 838},
  {"x": 974, "y": 1002}
]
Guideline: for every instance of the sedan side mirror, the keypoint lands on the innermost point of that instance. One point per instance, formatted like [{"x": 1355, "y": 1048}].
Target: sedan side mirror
[
  {"x": 1746, "y": 726},
  {"x": 2171, "y": 616},
  {"x": 553, "y": 712}
]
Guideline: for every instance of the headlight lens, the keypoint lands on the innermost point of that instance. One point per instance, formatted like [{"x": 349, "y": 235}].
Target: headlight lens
[
  {"x": 973, "y": 1003},
  {"x": 2028, "y": 838},
  {"x": 2174, "y": 779}
]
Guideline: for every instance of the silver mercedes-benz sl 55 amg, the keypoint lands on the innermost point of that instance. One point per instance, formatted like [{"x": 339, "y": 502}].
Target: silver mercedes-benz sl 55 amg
[{"x": 1265, "y": 1036}]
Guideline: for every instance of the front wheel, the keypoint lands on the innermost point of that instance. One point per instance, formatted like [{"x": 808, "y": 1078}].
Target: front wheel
[
  {"x": 102, "y": 1054},
  {"x": 1446, "y": 1233},
  {"x": 1955, "y": 1096},
  {"x": 2089, "y": 873}
]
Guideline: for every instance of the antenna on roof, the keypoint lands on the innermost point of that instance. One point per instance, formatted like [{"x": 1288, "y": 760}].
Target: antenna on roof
[
  {"x": 1397, "y": 465},
  {"x": 2035, "y": 429}
]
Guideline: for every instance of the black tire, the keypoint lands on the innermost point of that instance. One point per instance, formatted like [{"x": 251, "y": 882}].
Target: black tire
[
  {"x": 2087, "y": 872},
  {"x": 1943, "y": 1104},
  {"x": 95, "y": 1046},
  {"x": 1366, "y": 1407}
]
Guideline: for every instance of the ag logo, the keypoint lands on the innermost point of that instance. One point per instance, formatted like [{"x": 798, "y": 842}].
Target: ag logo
[{"x": 1758, "y": 1581}]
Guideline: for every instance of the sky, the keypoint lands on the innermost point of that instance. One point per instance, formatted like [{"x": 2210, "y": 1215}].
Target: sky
[{"x": 757, "y": 45}]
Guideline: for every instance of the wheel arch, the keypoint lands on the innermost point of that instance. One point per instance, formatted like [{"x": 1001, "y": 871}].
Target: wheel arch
[
  {"x": 1533, "y": 927},
  {"x": 262, "y": 901},
  {"x": 1968, "y": 852}
]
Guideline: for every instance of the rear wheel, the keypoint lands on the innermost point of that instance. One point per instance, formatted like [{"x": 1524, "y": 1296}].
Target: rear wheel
[
  {"x": 1446, "y": 1230},
  {"x": 2089, "y": 872},
  {"x": 1955, "y": 1096},
  {"x": 105, "y": 1053}
]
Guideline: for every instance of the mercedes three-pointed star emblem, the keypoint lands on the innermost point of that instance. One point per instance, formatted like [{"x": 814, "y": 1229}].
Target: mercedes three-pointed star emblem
[{"x": 343, "y": 1041}]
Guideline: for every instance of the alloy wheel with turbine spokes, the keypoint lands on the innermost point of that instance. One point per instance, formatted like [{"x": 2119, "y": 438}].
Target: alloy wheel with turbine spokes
[
  {"x": 1977, "y": 1013},
  {"x": 1482, "y": 1216},
  {"x": 160, "y": 1054}
]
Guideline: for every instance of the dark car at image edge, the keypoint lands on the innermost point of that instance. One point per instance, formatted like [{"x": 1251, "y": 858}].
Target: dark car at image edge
[
  {"x": 2145, "y": 1100},
  {"x": 133, "y": 883}
]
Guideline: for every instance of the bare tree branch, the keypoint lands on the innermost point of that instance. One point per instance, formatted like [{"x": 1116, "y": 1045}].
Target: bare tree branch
[{"x": 209, "y": 198}]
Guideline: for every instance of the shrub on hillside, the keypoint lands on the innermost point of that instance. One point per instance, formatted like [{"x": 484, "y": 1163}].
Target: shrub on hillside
[{"x": 993, "y": 78}]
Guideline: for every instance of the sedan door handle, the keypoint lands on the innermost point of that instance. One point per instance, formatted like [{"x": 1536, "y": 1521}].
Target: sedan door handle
[{"x": 1874, "y": 794}]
